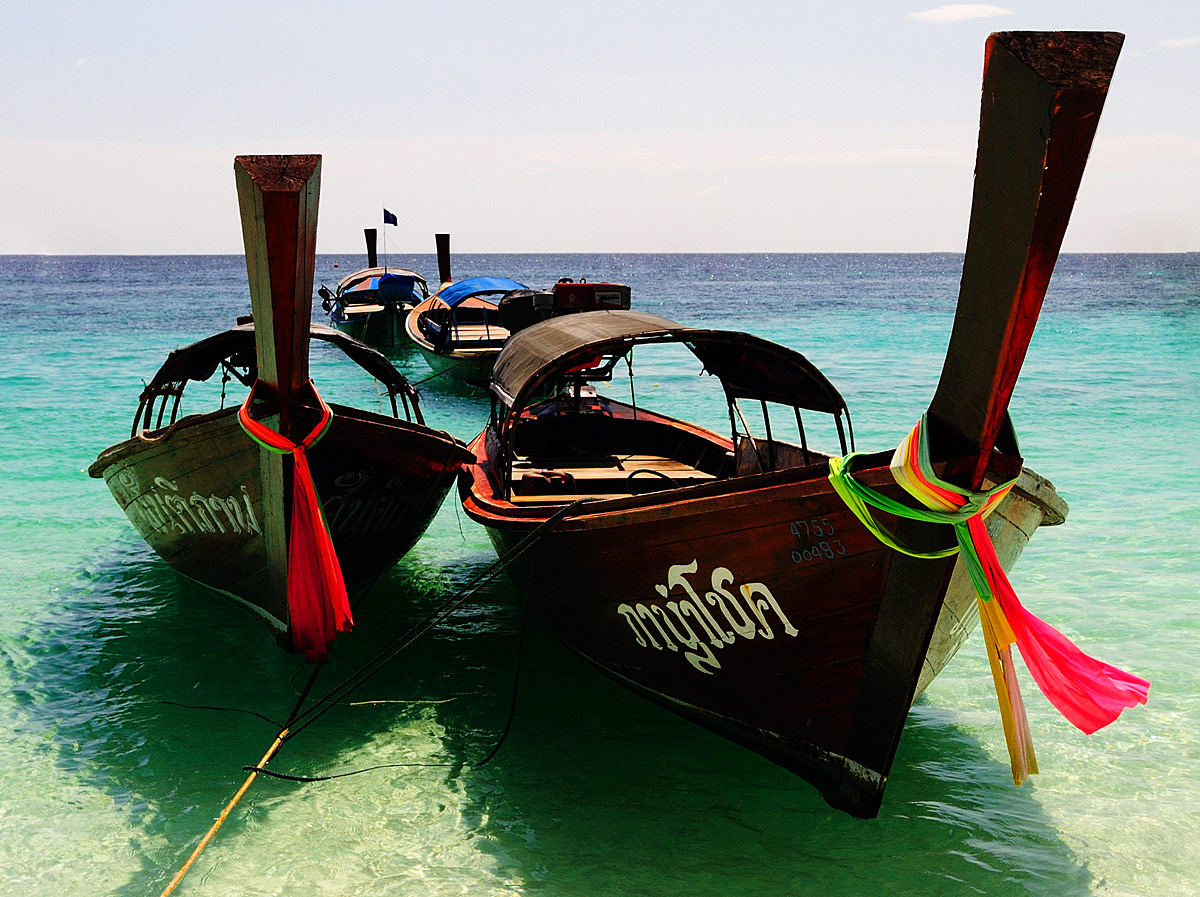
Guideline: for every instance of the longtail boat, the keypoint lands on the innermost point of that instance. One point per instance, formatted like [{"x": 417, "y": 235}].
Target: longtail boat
[
  {"x": 459, "y": 330},
  {"x": 286, "y": 504},
  {"x": 371, "y": 304},
  {"x": 792, "y": 601}
]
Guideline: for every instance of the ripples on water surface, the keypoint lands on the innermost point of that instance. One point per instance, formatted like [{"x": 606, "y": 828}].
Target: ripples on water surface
[{"x": 108, "y": 782}]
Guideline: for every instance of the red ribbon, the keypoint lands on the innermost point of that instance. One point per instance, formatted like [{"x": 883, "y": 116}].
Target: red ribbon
[
  {"x": 318, "y": 607},
  {"x": 1088, "y": 692}
]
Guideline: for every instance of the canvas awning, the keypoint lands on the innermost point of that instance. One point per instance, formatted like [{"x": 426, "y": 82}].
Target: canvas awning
[
  {"x": 748, "y": 366},
  {"x": 476, "y": 286},
  {"x": 199, "y": 360}
]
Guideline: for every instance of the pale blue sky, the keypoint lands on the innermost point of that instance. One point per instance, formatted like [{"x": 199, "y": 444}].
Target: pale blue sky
[{"x": 565, "y": 126}]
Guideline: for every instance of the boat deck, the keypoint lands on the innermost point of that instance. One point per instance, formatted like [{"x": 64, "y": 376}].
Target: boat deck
[
  {"x": 468, "y": 334},
  {"x": 599, "y": 476}
]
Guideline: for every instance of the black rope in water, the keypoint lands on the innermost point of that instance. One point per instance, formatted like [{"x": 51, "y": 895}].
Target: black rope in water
[
  {"x": 442, "y": 372},
  {"x": 433, "y": 618},
  {"x": 261, "y": 716},
  {"x": 532, "y": 540}
]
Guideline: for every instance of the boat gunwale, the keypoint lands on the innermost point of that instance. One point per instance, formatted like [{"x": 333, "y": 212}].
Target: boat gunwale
[{"x": 146, "y": 438}]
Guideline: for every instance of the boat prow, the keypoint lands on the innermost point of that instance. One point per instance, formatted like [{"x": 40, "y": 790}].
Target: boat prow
[
  {"x": 220, "y": 506},
  {"x": 793, "y": 601}
]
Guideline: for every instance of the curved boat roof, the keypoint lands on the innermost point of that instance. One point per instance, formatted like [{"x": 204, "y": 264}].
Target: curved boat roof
[
  {"x": 351, "y": 281},
  {"x": 199, "y": 360},
  {"x": 748, "y": 366},
  {"x": 473, "y": 286}
]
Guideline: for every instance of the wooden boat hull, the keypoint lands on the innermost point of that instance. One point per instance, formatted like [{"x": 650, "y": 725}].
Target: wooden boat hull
[
  {"x": 466, "y": 363},
  {"x": 383, "y": 329},
  {"x": 748, "y": 606},
  {"x": 193, "y": 490}
]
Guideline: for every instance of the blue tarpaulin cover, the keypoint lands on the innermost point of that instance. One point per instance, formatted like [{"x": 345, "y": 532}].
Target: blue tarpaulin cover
[
  {"x": 396, "y": 288},
  {"x": 473, "y": 286}
]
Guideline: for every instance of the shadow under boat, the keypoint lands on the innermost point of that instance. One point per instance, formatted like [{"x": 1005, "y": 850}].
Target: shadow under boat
[{"x": 670, "y": 809}]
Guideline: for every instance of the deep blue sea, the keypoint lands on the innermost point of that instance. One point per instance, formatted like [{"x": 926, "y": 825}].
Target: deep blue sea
[{"x": 128, "y": 695}]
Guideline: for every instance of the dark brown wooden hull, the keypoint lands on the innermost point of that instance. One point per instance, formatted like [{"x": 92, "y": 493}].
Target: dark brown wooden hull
[
  {"x": 749, "y": 606},
  {"x": 193, "y": 490}
]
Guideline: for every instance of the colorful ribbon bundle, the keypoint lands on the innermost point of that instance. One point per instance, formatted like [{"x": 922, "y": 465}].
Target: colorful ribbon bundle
[
  {"x": 318, "y": 607},
  {"x": 1088, "y": 692}
]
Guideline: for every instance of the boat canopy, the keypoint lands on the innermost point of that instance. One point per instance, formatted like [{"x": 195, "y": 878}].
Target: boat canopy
[
  {"x": 199, "y": 360},
  {"x": 748, "y": 366},
  {"x": 359, "y": 279},
  {"x": 474, "y": 286},
  {"x": 387, "y": 288}
]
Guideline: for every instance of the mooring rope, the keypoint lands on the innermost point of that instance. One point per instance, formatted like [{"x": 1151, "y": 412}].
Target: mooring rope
[
  {"x": 354, "y": 680},
  {"x": 442, "y": 372},
  {"x": 266, "y": 758},
  {"x": 512, "y": 706},
  {"x": 433, "y": 618}
]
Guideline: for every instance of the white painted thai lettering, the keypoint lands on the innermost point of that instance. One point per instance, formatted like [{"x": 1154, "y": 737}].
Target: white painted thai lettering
[
  {"x": 758, "y": 606},
  {"x": 747, "y": 615},
  {"x": 721, "y": 597},
  {"x": 163, "y": 506}
]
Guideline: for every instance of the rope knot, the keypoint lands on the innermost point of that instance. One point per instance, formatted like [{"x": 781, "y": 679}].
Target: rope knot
[{"x": 1088, "y": 692}]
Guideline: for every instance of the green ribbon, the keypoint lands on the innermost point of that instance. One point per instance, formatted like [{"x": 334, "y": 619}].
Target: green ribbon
[{"x": 860, "y": 499}]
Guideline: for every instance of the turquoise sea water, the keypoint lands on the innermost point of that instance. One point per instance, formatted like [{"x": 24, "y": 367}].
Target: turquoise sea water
[{"x": 110, "y": 771}]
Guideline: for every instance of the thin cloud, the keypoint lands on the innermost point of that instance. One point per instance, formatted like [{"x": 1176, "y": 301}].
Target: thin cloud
[
  {"x": 80, "y": 63},
  {"x": 959, "y": 12},
  {"x": 1177, "y": 43}
]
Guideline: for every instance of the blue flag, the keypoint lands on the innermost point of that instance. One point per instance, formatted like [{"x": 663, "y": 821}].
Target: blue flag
[{"x": 389, "y": 218}]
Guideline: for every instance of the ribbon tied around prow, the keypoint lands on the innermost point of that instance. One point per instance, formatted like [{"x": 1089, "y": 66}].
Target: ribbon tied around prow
[
  {"x": 1088, "y": 692},
  {"x": 318, "y": 606}
]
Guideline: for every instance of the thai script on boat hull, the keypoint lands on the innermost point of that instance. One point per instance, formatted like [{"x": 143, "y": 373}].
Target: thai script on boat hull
[
  {"x": 163, "y": 507},
  {"x": 360, "y": 506},
  {"x": 721, "y": 617}
]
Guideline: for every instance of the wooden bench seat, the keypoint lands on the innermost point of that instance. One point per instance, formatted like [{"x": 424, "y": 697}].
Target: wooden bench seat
[
  {"x": 600, "y": 477},
  {"x": 468, "y": 333}
]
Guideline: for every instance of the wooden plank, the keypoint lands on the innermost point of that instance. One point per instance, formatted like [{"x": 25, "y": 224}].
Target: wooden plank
[
  {"x": 278, "y": 200},
  {"x": 467, "y": 333},
  {"x": 562, "y": 498}
]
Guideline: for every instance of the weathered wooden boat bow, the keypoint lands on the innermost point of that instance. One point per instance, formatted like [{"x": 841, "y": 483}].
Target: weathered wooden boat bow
[
  {"x": 319, "y": 498},
  {"x": 278, "y": 197},
  {"x": 1042, "y": 97},
  {"x": 821, "y": 624}
]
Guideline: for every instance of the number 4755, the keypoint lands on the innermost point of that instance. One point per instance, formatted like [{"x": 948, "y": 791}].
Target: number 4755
[{"x": 814, "y": 528}]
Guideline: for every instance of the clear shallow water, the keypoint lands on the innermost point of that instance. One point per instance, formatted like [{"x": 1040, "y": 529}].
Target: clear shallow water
[{"x": 106, "y": 783}]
